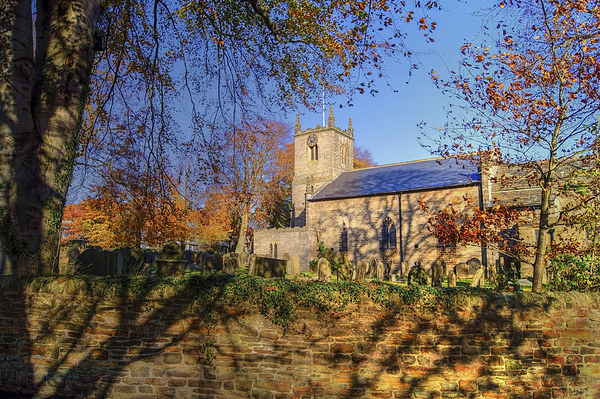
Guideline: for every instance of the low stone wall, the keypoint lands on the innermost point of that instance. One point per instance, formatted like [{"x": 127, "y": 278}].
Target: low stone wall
[{"x": 69, "y": 338}]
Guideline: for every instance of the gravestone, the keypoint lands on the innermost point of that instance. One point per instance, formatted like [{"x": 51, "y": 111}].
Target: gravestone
[
  {"x": 380, "y": 271},
  {"x": 478, "y": 278},
  {"x": 188, "y": 256},
  {"x": 229, "y": 264},
  {"x": 404, "y": 268},
  {"x": 462, "y": 270},
  {"x": 361, "y": 270},
  {"x": 417, "y": 275},
  {"x": 293, "y": 265},
  {"x": 372, "y": 269},
  {"x": 149, "y": 257},
  {"x": 451, "y": 279},
  {"x": 474, "y": 265},
  {"x": 72, "y": 254},
  {"x": 251, "y": 264},
  {"x": 437, "y": 273},
  {"x": 269, "y": 267},
  {"x": 345, "y": 271},
  {"x": 323, "y": 269},
  {"x": 213, "y": 261},
  {"x": 243, "y": 259},
  {"x": 127, "y": 261},
  {"x": 92, "y": 261},
  {"x": 170, "y": 261}
]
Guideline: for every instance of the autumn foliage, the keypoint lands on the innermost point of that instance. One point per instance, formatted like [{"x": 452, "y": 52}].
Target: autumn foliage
[
  {"x": 112, "y": 221},
  {"x": 532, "y": 93},
  {"x": 493, "y": 227}
]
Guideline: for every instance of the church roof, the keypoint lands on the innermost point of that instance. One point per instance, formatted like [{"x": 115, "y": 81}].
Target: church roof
[{"x": 401, "y": 177}]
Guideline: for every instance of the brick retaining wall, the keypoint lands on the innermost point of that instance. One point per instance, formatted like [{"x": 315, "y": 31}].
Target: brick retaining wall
[{"x": 56, "y": 341}]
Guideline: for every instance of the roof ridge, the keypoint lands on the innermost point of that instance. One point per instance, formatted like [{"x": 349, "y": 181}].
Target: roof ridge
[{"x": 397, "y": 163}]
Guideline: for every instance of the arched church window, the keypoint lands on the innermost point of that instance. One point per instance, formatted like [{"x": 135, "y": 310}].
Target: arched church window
[
  {"x": 343, "y": 155},
  {"x": 392, "y": 236},
  {"x": 275, "y": 250},
  {"x": 271, "y": 250},
  {"x": 344, "y": 239},
  {"x": 388, "y": 234}
]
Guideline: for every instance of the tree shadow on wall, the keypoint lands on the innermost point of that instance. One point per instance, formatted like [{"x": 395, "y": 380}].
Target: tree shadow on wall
[
  {"x": 79, "y": 345},
  {"x": 459, "y": 351},
  {"x": 111, "y": 337}
]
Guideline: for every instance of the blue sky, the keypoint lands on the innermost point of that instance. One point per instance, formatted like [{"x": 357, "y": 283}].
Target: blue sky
[{"x": 386, "y": 123}]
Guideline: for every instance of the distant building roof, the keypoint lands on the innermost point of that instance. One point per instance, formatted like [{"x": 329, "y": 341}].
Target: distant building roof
[{"x": 401, "y": 177}]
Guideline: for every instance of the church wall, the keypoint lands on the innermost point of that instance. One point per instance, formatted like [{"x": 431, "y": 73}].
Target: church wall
[
  {"x": 418, "y": 242},
  {"x": 364, "y": 218},
  {"x": 296, "y": 241}
]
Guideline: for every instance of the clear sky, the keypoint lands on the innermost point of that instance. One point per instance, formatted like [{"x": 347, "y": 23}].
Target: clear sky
[{"x": 386, "y": 124}]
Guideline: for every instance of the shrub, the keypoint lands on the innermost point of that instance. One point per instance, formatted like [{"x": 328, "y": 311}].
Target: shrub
[{"x": 574, "y": 273}]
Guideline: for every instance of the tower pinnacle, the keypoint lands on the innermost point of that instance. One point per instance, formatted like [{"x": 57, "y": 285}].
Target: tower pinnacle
[
  {"x": 297, "y": 127},
  {"x": 331, "y": 120},
  {"x": 350, "y": 128}
]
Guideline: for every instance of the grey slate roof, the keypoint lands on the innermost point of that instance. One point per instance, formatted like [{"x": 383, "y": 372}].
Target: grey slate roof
[{"x": 401, "y": 177}]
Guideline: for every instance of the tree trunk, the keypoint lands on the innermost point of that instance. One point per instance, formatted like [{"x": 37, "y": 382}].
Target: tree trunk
[
  {"x": 41, "y": 106},
  {"x": 539, "y": 266},
  {"x": 239, "y": 248}
]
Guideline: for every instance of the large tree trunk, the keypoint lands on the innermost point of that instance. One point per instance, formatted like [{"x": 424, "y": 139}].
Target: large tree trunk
[
  {"x": 239, "y": 248},
  {"x": 41, "y": 106}
]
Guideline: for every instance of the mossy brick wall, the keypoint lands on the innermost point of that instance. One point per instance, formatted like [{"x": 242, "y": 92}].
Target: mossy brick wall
[{"x": 62, "y": 337}]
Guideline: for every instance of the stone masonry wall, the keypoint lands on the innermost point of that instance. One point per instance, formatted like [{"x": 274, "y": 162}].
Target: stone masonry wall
[
  {"x": 56, "y": 341},
  {"x": 301, "y": 241},
  {"x": 364, "y": 218}
]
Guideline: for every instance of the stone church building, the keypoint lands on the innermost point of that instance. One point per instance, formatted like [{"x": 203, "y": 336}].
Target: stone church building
[{"x": 371, "y": 213}]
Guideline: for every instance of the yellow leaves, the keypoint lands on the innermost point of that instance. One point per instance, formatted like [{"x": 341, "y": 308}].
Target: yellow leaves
[
  {"x": 433, "y": 76},
  {"x": 502, "y": 4}
]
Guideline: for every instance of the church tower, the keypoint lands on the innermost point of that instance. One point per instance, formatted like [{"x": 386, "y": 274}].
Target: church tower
[{"x": 320, "y": 155}]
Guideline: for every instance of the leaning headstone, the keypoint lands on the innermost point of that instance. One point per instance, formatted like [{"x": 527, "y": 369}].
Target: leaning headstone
[
  {"x": 380, "y": 271},
  {"x": 294, "y": 265},
  {"x": 323, "y": 269},
  {"x": 437, "y": 273},
  {"x": 462, "y": 270},
  {"x": 451, "y": 278},
  {"x": 417, "y": 275},
  {"x": 478, "y": 278},
  {"x": 361, "y": 270},
  {"x": 474, "y": 265}
]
